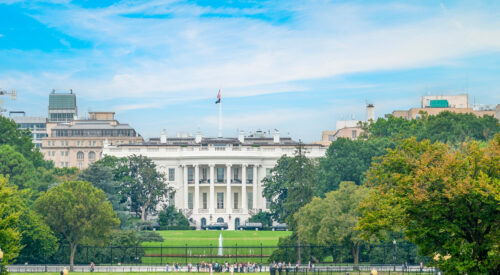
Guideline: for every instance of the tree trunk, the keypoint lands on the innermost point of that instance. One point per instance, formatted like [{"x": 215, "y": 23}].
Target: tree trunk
[
  {"x": 144, "y": 207},
  {"x": 72, "y": 255},
  {"x": 355, "y": 255}
]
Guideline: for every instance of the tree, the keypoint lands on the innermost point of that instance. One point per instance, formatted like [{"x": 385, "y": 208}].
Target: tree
[
  {"x": 170, "y": 217},
  {"x": 348, "y": 160},
  {"x": 290, "y": 185},
  {"x": 262, "y": 217},
  {"x": 143, "y": 185},
  {"x": 333, "y": 220},
  {"x": 79, "y": 212},
  {"x": 447, "y": 201},
  {"x": 10, "y": 235},
  {"x": 21, "y": 141},
  {"x": 102, "y": 177},
  {"x": 21, "y": 172}
]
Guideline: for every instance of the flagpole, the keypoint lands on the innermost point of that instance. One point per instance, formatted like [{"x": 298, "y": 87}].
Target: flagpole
[{"x": 220, "y": 119}]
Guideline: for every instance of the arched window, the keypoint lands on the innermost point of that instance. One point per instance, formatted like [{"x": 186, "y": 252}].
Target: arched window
[
  {"x": 236, "y": 223},
  {"x": 80, "y": 155},
  {"x": 203, "y": 222},
  {"x": 220, "y": 220},
  {"x": 91, "y": 155}
]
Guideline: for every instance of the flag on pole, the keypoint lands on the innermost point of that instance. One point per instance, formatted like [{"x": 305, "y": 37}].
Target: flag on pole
[{"x": 218, "y": 98}]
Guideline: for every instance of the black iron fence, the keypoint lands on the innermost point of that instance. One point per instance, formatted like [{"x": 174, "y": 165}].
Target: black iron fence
[{"x": 385, "y": 254}]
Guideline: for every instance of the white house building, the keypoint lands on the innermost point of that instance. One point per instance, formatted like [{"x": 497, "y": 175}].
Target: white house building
[{"x": 216, "y": 179}]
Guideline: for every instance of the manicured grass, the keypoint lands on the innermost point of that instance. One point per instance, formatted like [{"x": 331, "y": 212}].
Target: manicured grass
[
  {"x": 209, "y": 237},
  {"x": 202, "y": 245}
]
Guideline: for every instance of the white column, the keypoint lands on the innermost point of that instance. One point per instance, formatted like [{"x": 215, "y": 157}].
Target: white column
[
  {"x": 185, "y": 186},
  {"x": 229, "y": 206},
  {"x": 244, "y": 204},
  {"x": 196, "y": 203},
  {"x": 262, "y": 175},
  {"x": 212, "y": 189},
  {"x": 254, "y": 189}
]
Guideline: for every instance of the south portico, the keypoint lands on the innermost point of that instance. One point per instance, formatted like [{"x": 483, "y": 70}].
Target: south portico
[{"x": 216, "y": 192}]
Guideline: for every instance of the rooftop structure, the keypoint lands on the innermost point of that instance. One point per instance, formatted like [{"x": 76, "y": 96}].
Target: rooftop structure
[
  {"x": 62, "y": 107},
  {"x": 36, "y": 125}
]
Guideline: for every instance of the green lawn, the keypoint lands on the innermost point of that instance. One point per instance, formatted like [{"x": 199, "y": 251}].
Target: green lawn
[
  {"x": 209, "y": 237},
  {"x": 203, "y": 245}
]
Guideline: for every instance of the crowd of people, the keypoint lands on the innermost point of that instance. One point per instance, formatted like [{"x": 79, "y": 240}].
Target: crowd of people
[{"x": 240, "y": 267}]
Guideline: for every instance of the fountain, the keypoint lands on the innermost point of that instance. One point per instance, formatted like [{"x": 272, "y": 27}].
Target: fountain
[{"x": 220, "y": 253}]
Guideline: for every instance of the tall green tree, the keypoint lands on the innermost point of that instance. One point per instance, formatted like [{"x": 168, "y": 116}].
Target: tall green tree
[
  {"x": 102, "y": 177},
  {"x": 290, "y": 185},
  {"x": 333, "y": 220},
  {"x": 10, "y": 235},
  {"x": 21, "y": 172},
  {"x": 143, "y": 185},
  {"x": 21, "y": 141},
  {"x": 348, "y": 160},
  {"x": 79, "y": 212},
  {"x": 447, "y": 201}
]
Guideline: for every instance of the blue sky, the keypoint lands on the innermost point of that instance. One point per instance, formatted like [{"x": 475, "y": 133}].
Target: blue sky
[{"x": 296, "y": 66}]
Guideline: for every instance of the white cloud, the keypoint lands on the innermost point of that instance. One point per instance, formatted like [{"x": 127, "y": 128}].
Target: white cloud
[{"x": 191, "y": 56}]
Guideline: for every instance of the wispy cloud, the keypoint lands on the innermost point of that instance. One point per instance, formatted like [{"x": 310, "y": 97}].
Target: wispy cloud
[{"x": 188, "y": 54}]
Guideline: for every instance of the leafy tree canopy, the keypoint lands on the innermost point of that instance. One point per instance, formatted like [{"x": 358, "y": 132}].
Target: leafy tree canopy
[
  {"x": 263, "y": 217},
  {"x": 333, "y": 220},
  {"x": 290, "y": 185},
  {"x": 79, "y": 212},
  {"x": 447, "y": 201},
  {"x": 170, "y": 217},
  {"x": 10, "y": 235}
]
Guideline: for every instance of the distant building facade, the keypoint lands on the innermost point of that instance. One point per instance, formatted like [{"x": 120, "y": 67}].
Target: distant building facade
[
  {"x": 433, "y": 105},
  {"x": 79, "y": 143},
  {"x": 216, "y": 179},
  {"x": 36, "y": 125},
  {"x": 350, "y": 129},
  {"x": 62, "y": 107}
]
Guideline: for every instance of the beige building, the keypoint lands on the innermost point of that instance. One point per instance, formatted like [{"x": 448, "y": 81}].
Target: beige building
[
  {"x": 347, "y": 128},
  {"x": 78, "y": 143},
  {"x": 433, "y": 105}
]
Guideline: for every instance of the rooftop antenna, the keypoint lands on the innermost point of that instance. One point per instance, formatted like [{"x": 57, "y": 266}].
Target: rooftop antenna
[{"x": 13, "y": 96}]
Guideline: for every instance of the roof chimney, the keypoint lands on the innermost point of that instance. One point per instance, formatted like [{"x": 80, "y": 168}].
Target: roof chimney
[
  {"x": 163, "y": 136},
  {"x": 370, "y": 112},
  {"x": 241, "y": 136},
  {"x": 198, "y": 137},
  {"x": 276, "y": 136}
]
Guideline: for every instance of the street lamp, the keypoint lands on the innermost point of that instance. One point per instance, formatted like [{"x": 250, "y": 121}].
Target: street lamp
[{"x": 394, "y": 254}]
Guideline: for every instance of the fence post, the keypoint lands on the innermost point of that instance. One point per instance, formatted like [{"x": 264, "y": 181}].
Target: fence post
[
  {"x": 186, "y": 254},
  {"x": 236, "y": 252},
  {"x": 261, "y": 253},
  {"x": 161, "y": 254}
]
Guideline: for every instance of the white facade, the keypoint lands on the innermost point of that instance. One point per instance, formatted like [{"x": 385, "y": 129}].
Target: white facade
[{"x": 216, "y": 179}]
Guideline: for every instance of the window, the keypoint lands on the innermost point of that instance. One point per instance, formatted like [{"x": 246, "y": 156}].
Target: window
[
  {"x": 268, "y": 172},
  {"x": 91, "y": 155},
  {"x": 220, "y": 200},
  {"x": 79, "y": 155},
  {"x": 236, "y": 223},
  {"x": 205, "y": 200},
  {"x": 62, "y": 142},
  {"x": 220, "y": 174},
  {"x": 190, "y": 174},
  {"x": 250, "y": 200},
  {"x": 203, "y": 222},
  {"x": 250, "y": 174},
  {"x": 190, "y": 200},
  {"x": 66, "y": 153},
  {"x": 171, "y": 174},
  {"x": 236, "y": 173},
  {"x": 220, "y": 220},
  {"x": 268, "y": 204},
  {"x": 62, "y": 164},
  {"x": 204, "y": 173},
  {"x": 80, "y": 165},
  {"x": 62, "y": 153},
  {"x": 235, "y": 201},
  {"x": 354, "y": 133}
]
